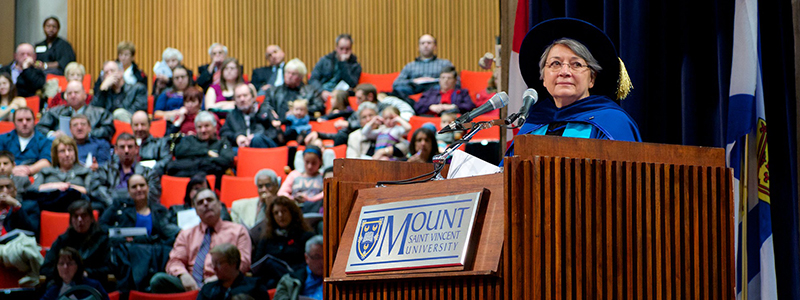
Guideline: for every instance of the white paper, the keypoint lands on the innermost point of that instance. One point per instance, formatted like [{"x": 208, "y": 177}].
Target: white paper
[
  {"x": 188, "y": 219},
  {"x": 148, "y": 163},
  {"x": 88, "y": 161},
  {"x": 63, "y": 125},
  {"x": 342, "y": 85},
  {"x": 466, "y": 165}
]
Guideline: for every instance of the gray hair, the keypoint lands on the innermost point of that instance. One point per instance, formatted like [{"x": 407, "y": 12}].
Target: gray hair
[
  {"x": 296, "y": 65},
  {"x": 224, "y": 48},
  {"x": 171, "y": 53},
  {"x": 367, "y": 105},
  {"x": 205, "y": 116},
  {"x": 344, "y": 36},
  {"x": 315, "y": 240},
  {"x": 579, "y": 50},
  {"x": 267, "y": 173}
]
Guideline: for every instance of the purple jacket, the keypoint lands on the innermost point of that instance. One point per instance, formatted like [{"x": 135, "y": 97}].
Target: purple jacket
[{"x": 460, "y": 98}]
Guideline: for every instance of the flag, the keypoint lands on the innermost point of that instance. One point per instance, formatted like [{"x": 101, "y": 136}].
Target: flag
[
  {"x": 747, "y": 153},
  {"x": 516, "y": 85}
]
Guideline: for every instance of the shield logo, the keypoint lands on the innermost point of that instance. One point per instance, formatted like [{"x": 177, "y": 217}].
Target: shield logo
[{"x": 368, "y": 236}]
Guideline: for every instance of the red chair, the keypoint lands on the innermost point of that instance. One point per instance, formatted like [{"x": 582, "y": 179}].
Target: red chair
[
  {"x": 490, "y": 134},
  {"x": 272, "y": 293},
  {"x": 151, "y": 104},
  {"x": 33, "y": 103},
  {"x": 137, "y": 295},
  {"x": 113, "y": 295},
  {"x": 87, "y": 83},
  {"x": 9, "y": 277},
  {"x": 475, "y": 82},
  {"x": 260, "y": 99},
  {"x": 341, "y": 151},
  {"x": 120, "y": 128},
  {"x": 158, "y": 128},
  {"x": 53, "y": 224},
  {"x": 251, "y": 160},
  {"x": 382, "y": 82},
  {"x": 417, "y": 122},
  {"x": 415, "y": 97},
  {"x": 353, "y": 101},
  {"x": 62, "y": 81},
  {"x": 173, "y": 189},
  {"x": 235, "y": 188},
  {"x": 326, "y": 127},
  {"x": 6, "y": 126}
]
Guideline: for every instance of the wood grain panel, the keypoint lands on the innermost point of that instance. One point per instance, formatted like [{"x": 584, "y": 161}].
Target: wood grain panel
[{"x": 385, "y": 33}]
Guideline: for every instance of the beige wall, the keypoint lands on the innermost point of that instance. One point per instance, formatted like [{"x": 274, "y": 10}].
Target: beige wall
[{"x": 7, "y": 34}]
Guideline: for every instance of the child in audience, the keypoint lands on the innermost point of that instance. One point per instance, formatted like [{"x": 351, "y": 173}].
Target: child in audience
[
  {"x": 340, "y": 107},
  {"x": 390, "y": 133},
  {"x": 297, "y": 125},
  {"x": 447, "y": 138}
]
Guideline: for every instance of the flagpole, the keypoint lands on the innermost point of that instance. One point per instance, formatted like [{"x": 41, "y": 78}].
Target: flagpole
[{"x": 743, "y": 208}]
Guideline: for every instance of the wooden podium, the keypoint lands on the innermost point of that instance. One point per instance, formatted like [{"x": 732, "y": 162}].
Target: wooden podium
[{"x": 568, "y": 219}]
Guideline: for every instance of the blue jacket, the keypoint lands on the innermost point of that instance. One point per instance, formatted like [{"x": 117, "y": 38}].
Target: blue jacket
[{"x": 38, "y": 147}]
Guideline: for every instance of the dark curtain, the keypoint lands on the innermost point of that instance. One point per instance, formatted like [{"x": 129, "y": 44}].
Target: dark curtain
[{"x": 678, "y": 54}]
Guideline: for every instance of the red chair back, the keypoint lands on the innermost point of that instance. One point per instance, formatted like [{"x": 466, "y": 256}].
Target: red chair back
[
  {"x": 6, "y": 126},
  {"x": 87, "y": 83},
  {"x": 158, "y": 128},
  {"x": 120, "y": 128},
  {"x": 417, "y": 122},
  {"x": 9, "y": 277},
  {"x": 341, "y": 151},
  {"x": 62, "y": 81},
  {"x": 475, "y": 82},
  {"x": 326, "y": 127},
  {"x": 137, "y": 295},
  {"x": 33, "y": 103},
  {"x": 52, "y": 224},
  {"x": 251, "y": 160},
  {"x": 113, "y": 295},
  {"x": 173, "y": 189},
  {"x": 151, "y": 100},
  {"x": 235, "y": 188},
  {"x": 490, "y": 134},
  {"x": 382, "y": 82},
  {"x": 353, "y": 101}
]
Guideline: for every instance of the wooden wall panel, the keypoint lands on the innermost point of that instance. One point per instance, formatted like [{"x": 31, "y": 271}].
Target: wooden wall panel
[{"x": 385, "y": 33}]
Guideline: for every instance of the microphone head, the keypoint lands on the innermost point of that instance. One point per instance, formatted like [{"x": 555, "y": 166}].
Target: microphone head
[
  {"x": 531, "y": 93},
  {"x": 503, "y": 100}
]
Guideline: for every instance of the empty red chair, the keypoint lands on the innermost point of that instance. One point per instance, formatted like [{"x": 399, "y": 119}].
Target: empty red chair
[
  {"x": 251, "y": 160},
  {"x": 326, "y": 127},
  {"x": 137, "y": 295},
  {"x": 382, "y": 82},
  {"x": 235, "y": 188},
  {"x": 173, "y": 189},
  {"x": 475, "y": 82}
]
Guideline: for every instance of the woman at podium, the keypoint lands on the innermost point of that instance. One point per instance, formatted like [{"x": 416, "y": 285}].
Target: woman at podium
[{"x": 577, "y": 65}]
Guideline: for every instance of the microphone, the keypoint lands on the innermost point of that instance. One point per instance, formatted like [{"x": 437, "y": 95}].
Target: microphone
[
  {"x": 497, "y": 101},
  {"x": 529, "y": 98}
]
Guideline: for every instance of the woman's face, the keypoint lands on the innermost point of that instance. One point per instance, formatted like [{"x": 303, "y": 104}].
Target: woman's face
[
  {"x": 192, "y": 106},
  {"x": 180, "y": 79},
  {"x": 365, "y": 116},
  {"x": 81, "y": 221},
  {"x": 172, "y": 62},
  {"x": 66, "y": 156},
  {"x": 423, "y": 144},
  {"x": 67, "y": 268},
  {"x": 565, "y": 84},
  {"x": 282, "y": 216},
  {"x": 75, "y": 76},
  {"x": 196, "y": 188},
  {"x": 5, "y": 86},
  {"x": 231, "y": 71},
  {"x": 125, "y": 57},
  {"x": 312, "y": 163}
]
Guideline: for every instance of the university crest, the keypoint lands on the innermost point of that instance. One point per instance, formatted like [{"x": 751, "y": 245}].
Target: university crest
[{"x": 368, "y": 236}]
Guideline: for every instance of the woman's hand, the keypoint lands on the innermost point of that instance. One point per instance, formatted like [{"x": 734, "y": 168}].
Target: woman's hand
[{"x": 416, "y": 157}]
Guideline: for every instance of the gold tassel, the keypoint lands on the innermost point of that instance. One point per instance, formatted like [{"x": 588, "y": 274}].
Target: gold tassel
[{"x": 624, "y": 84}]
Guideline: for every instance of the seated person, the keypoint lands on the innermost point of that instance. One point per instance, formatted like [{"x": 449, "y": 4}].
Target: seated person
[
  {"x": 420, "y": 75},
  {"x": 423, "y": 146},
  {"x": 292, "y": 89},
  {"x": 282, "y": 235},
  {"x": 25, "y": 75},
  {"x": 358, "y": 146},
  {"x": 339, "y": 69},
  {"x": 31, "y": 148},
  {"x": 192, "y": 105},
  {"x": 101, "y": 121},
  {"x": 269, "y": 76},
  {"x": 138, "y": 211},
  {"x": 210, "y": 73},
  {"x": 340, "y": 107},
  {"x": 226, "y": 260},
  {"x": 85, "y": 235},
  {"x": 22, "y": 254},
  {"x": 9, "y": 101},
  {"x": 189, "y": 265},
  {"x": 307, "y": 185},
  {"x": 169, "y": 103},
  {"x": 71, "y": 272},
  {"x": 99, "y": 149},
  {"x": 446, "y": 98},
  {"x": 126, "y": 54},
  {"x": 54, "y": 52},
  {"x": 73, "y": 72},
  {"x": 250, "y": 125},
  {"x": 305, "y": 281},
  {"x": 328, "y": 155},
  {"x": 202, "y": 152},
  {"x": 251, "y": 211},
  {"x": 297, "y": 126},
  {"x": 197, "y": 183},
  {"x": 220, "y": 95},
  {"x": 111, "y": 181},
  {"x": 388, "y": 136},
  {"x": 151, "y": 149},
  {"x": 7, "y": 165},
  {"x": 66, "y": 172},
  {"x": 164, "y": 70},
  {"x": 118, "y": 96}
]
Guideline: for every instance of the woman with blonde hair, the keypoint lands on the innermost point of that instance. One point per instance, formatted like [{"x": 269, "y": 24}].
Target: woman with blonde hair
[
  {"x": 74, "y": 72},
  {"x": 66, "y": 172}
]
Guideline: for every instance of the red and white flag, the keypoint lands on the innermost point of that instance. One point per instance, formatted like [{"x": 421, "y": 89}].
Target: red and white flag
[{"x": 517, "y": 86}]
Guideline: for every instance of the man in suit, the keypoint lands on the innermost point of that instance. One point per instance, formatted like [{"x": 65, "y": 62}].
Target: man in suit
[
  {"x": 270, "y": 76},
  {"x": 211, "y": 73},
  {"x": 24, "y": 72},
  {"x": 250, "y": 212}
]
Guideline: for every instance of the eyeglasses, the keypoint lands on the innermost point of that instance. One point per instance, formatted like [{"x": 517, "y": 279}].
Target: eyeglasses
[{"x": 574, "y": 66}]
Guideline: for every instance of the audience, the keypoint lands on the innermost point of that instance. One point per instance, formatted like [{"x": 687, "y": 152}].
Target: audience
[
  {"x": 226, "y": 260},
  {"x": 197, "y": 183},
  {"x": 85, "y": 235},
  {"x": 210, "y": 73},
  {"x": 31, "y": 148},
  {"x": 203, "y": 151},
  {"x": 338, "y": 70},
  {"x": 292, "y": 89},
  {"x": 446, "y": 98},
  {"x": 101, "y": 121},
  {"x": 307, "y": 185},
  {"x": 339, "y": 107},
  {"x": 251, "y": 124},
  {"x": 7, "y": 165},
  {"x": 71, "y": 270},
  {"x": 366, "y": 92},
  {"x": 99, "y": 149},
  {"x": 358, "y": 146},
  {"x": 24, "y": 74},
  {"x": 189, "y": 266},
  {"x": 388, "y": 137},
  {"x": 305, "y": 281},
  {"x": 252, "y": 211},
  {"x": 137, "y": 211},
  {"x": 117, "y": 95},
  {"x": 169, "y": 103},
  {"x": 164, "y": 70},
  {"x": 219, "y": 96},
  {"x": 74, "y": 72},
  {"x": 270, "y": 76},
  {"x": 66, "y": 172},
  {"x": 152, "y": 150},
  {"x": 421, "y": 74},
  {"x": 9, "y": 101},
  {"x": 423, "y": 146},
  {"x": 111, "y": 181},
  {"x": 131, "y": 73},
  {"x": 282, "y": 235},
  {"x": 20, "y": 252},
  {"x": 192, "y": 105},
  {"x": 297, "y": 121},
  {"x": 54, "y": 53}
]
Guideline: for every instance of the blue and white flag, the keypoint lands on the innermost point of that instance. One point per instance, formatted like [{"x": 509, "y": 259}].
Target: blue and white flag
[{"x": 755, "y": 257}]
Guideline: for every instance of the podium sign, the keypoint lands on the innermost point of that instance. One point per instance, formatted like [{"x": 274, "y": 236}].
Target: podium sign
[{"x": 424, "y": 233}]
